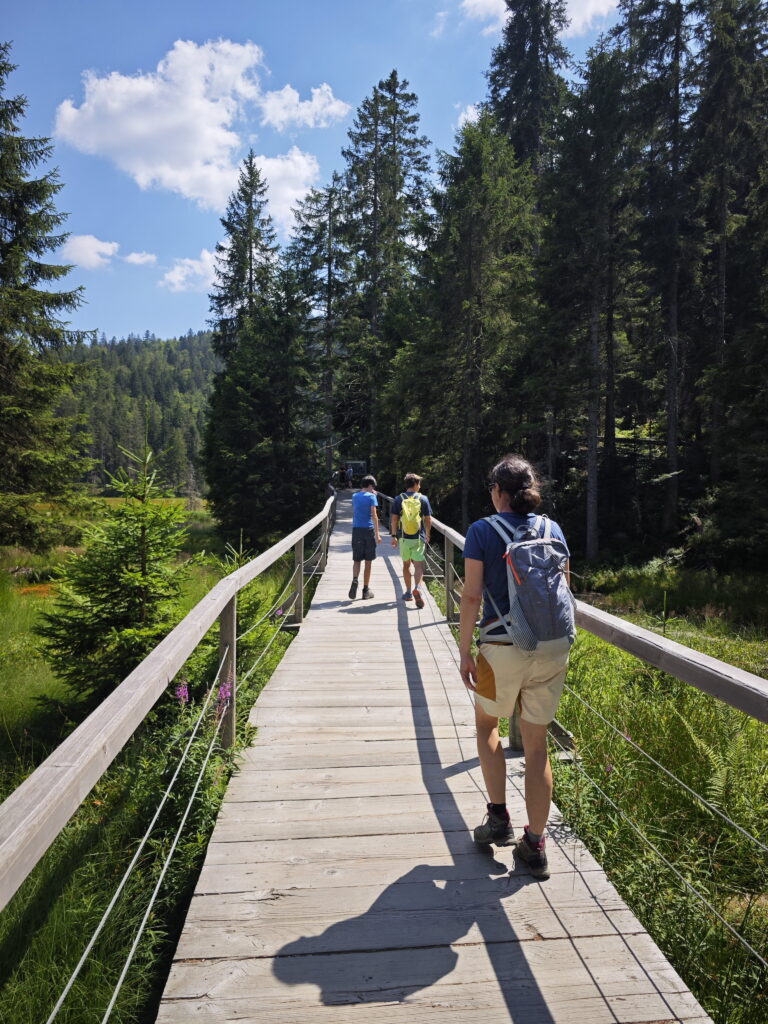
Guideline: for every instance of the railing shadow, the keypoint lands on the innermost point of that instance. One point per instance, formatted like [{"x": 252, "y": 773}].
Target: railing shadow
[{"x": 404, "y": 942}]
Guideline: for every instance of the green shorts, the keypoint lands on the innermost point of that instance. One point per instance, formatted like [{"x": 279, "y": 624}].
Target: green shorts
[{"x": 412, "y": 549}]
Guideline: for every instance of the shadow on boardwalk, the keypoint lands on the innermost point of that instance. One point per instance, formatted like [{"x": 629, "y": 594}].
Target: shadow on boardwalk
[{"x": 383, "y": 956}]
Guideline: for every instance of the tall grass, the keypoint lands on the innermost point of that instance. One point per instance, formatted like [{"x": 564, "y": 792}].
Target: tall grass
[
  {"x": 46, "y": 926},
  {"x": 716, "y": 750}
]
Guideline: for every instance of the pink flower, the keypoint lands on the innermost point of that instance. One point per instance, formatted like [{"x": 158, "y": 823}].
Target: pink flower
[{"x": 182, "y": 693}]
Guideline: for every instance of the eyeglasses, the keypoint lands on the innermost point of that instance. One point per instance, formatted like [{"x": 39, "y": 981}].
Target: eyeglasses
[{"x": 491, "y": 486}]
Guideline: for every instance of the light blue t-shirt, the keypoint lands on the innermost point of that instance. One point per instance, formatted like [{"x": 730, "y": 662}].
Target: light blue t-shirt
[{"x": 363, "y": 503}]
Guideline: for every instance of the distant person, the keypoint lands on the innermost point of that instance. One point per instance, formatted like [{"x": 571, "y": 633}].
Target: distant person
[
  {"x": 365, "y": 534},
  {"x": 341, "y": 476},
  {"x": 411, "y": 518},
  {"x": 349, "y": 474},
  {"x": 524, "y": 667}
]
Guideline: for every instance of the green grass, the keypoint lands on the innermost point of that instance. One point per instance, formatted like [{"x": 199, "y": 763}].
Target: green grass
[
  {"x": 717, "y": 751},
  {"x": 45, "y": 927}
]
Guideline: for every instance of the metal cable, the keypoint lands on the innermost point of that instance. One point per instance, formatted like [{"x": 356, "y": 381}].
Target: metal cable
[
  {"x": 166, "y": 864},
  {"x": 316, "y": 547},
  {"x": 266, "y": 615},
  {"x": 269, "y": 644},
  {"x": 142, "y": 844},
  {"x": 661, "y": 856},
  {"x": 698, "y": 796}
]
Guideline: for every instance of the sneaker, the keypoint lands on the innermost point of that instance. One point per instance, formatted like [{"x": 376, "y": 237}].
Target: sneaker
[
  {"x": 494, "y": 830},
  {"x": 367, "y": 592},
  {"x": 353, "y": 590},
  {"x": 407, "y": 596},
  {"x": 418, "y": 598},
  {"x": 533, "y": 856}
]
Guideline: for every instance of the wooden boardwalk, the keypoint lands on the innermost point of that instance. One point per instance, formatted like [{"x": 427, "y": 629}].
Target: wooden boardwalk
[{"x": 341, "y": 882}]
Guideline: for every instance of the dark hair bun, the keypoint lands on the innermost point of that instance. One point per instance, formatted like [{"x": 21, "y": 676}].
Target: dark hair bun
[{"x": 517, "y": 478}]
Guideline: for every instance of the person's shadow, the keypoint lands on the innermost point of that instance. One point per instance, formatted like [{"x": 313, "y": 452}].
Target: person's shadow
[{"x": 404, "y": 942}]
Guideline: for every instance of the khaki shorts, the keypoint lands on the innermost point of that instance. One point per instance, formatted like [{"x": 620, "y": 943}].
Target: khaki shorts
[{"x": 505, "y": 672}]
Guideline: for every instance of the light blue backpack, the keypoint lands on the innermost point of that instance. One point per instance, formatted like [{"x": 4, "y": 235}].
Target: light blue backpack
[{"x": 541, "y": 605}]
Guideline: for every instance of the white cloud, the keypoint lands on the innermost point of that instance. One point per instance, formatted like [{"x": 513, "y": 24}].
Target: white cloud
[
  {"x": 586, "y": 14},
  {"x": 284, "y": 107},
  {"x": 89, "y": 252},
  {"x": 191, "y": 275},
  {"x": 174, "y": 127},
  {"x": 493, "y": 11},
  {"x": 140, "y": 259},
  {"x": 438, "y": 28},
  {"x": 289, "y": 177},
  {"x": 470, "y": 113}
]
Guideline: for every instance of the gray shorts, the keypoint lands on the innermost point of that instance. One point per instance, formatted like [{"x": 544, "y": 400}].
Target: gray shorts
[{"x": 363, "y": 544}]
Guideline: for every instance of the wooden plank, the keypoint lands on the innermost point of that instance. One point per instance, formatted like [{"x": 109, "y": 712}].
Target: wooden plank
[
  {"x": 543, "y": 981},
  {"x": 34, "y": 814}
]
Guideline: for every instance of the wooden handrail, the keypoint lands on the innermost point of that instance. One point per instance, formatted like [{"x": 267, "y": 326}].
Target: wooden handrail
[
  {"x": 734, "y": 686},
  {"x": 36, "y": 812}
]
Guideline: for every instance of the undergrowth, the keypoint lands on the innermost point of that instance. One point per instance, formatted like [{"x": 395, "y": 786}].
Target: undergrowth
[{"x": 45, "y": 928}]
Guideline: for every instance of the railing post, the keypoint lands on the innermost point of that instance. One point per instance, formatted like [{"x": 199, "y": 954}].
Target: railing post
[
  {"x": 449, "y": 578},
  {"x": 323, "y": 556},
  {"x": 297, "y": 615},
  {"x": 228, "y": 674}
]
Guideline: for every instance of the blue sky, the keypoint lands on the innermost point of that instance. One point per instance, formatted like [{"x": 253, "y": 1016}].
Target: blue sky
[{"x": 151, "y": 107}]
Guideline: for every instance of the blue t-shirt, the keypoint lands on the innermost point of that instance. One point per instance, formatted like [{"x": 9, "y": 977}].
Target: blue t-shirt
[
  {"x": 363, "y": 503},
  {"x": 484, "y": 544},
  {"x": 426, "y": 510}
]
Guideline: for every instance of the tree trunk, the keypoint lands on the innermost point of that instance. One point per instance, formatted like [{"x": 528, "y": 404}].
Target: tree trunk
[{"x": 593, "y": 426}]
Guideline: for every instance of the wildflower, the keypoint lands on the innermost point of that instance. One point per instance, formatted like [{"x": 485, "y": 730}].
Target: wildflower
[
  {"x": 225, "y": 693},
  {"x": 182, "y": 693},
  {"x": 608, "y": 769},
  {"x": 278, "y": 613}
]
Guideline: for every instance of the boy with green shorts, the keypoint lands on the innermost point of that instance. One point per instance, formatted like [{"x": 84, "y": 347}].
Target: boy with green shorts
[{"x": 412, "y": 519}]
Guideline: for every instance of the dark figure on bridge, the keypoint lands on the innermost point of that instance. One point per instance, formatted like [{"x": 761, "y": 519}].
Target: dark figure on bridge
[{"x": 518, "y": 660}]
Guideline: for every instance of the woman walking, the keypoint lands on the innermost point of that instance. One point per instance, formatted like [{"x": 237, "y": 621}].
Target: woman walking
[{"x": 506, "y": 671}]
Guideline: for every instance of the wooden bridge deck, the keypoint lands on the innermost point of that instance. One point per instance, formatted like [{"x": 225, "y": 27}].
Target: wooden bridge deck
[{"x": 341, "y": 882}]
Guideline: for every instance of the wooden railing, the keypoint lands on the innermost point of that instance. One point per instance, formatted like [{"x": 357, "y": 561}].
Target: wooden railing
[
  {"x": 35, "y": 813},
  {"x": 734, "y": 686}
]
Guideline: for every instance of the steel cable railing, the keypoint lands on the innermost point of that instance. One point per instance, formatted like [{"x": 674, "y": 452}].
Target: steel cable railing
[
  {"x": 142, "y": 843},
  {"x": 166, "y": 864},
  {"x": 274, "y": 607}
]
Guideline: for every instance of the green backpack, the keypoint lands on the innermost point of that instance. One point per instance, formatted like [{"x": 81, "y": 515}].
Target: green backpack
[{"x": 411, "y": 512}]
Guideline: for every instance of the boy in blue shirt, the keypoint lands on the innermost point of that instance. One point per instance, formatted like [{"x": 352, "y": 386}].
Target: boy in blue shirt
[{"x": 365, "y": 534}]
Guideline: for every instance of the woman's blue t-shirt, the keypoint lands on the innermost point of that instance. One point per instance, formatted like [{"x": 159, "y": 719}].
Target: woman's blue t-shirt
[
  {"x": 484, "y": 544},
  {"x": 363, "y": 502}
]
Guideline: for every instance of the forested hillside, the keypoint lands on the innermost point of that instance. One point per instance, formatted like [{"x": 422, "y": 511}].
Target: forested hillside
[
  {"x": 585, "y": 282},
  {"x": 138, "y": 388}
]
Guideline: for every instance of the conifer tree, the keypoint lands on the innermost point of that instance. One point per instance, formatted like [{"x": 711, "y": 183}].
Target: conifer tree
[
  {"x": 386, "y": 184},
  {"x": 116, "y": 600},
  {"x": 478, "y": 304},
  {"x": 41, "y": 453},
  {"x": 320, "y": 260},
  {"x": 525, "y": 87},
  {"x": 260, "y": 453}
]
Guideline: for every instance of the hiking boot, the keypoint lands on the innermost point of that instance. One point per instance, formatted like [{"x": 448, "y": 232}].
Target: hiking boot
[
  {"x": 494, "y": 829},
  {"x": 367, "y": 592},
  {"x": 532, "y": 856},
  {"x": 407, "y": 596},
  {"x": 353, "y": 590},
  {"x": 418, "y": 598}
]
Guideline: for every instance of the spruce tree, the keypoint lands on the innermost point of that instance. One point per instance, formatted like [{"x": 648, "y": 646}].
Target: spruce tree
[
  {"x": 116, "y": 600},
  {"x": 320, "y": 261},
  {"x": 260, "y": 453},
  {"x": 41, "y": 453},
  {"x": 386, "y": 173},
  {"x": 478, "y": 304},
  {"x": 525, "y": 86}
]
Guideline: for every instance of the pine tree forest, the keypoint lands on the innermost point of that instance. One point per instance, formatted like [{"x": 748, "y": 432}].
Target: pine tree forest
[{"x": 581, "y": 279}]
